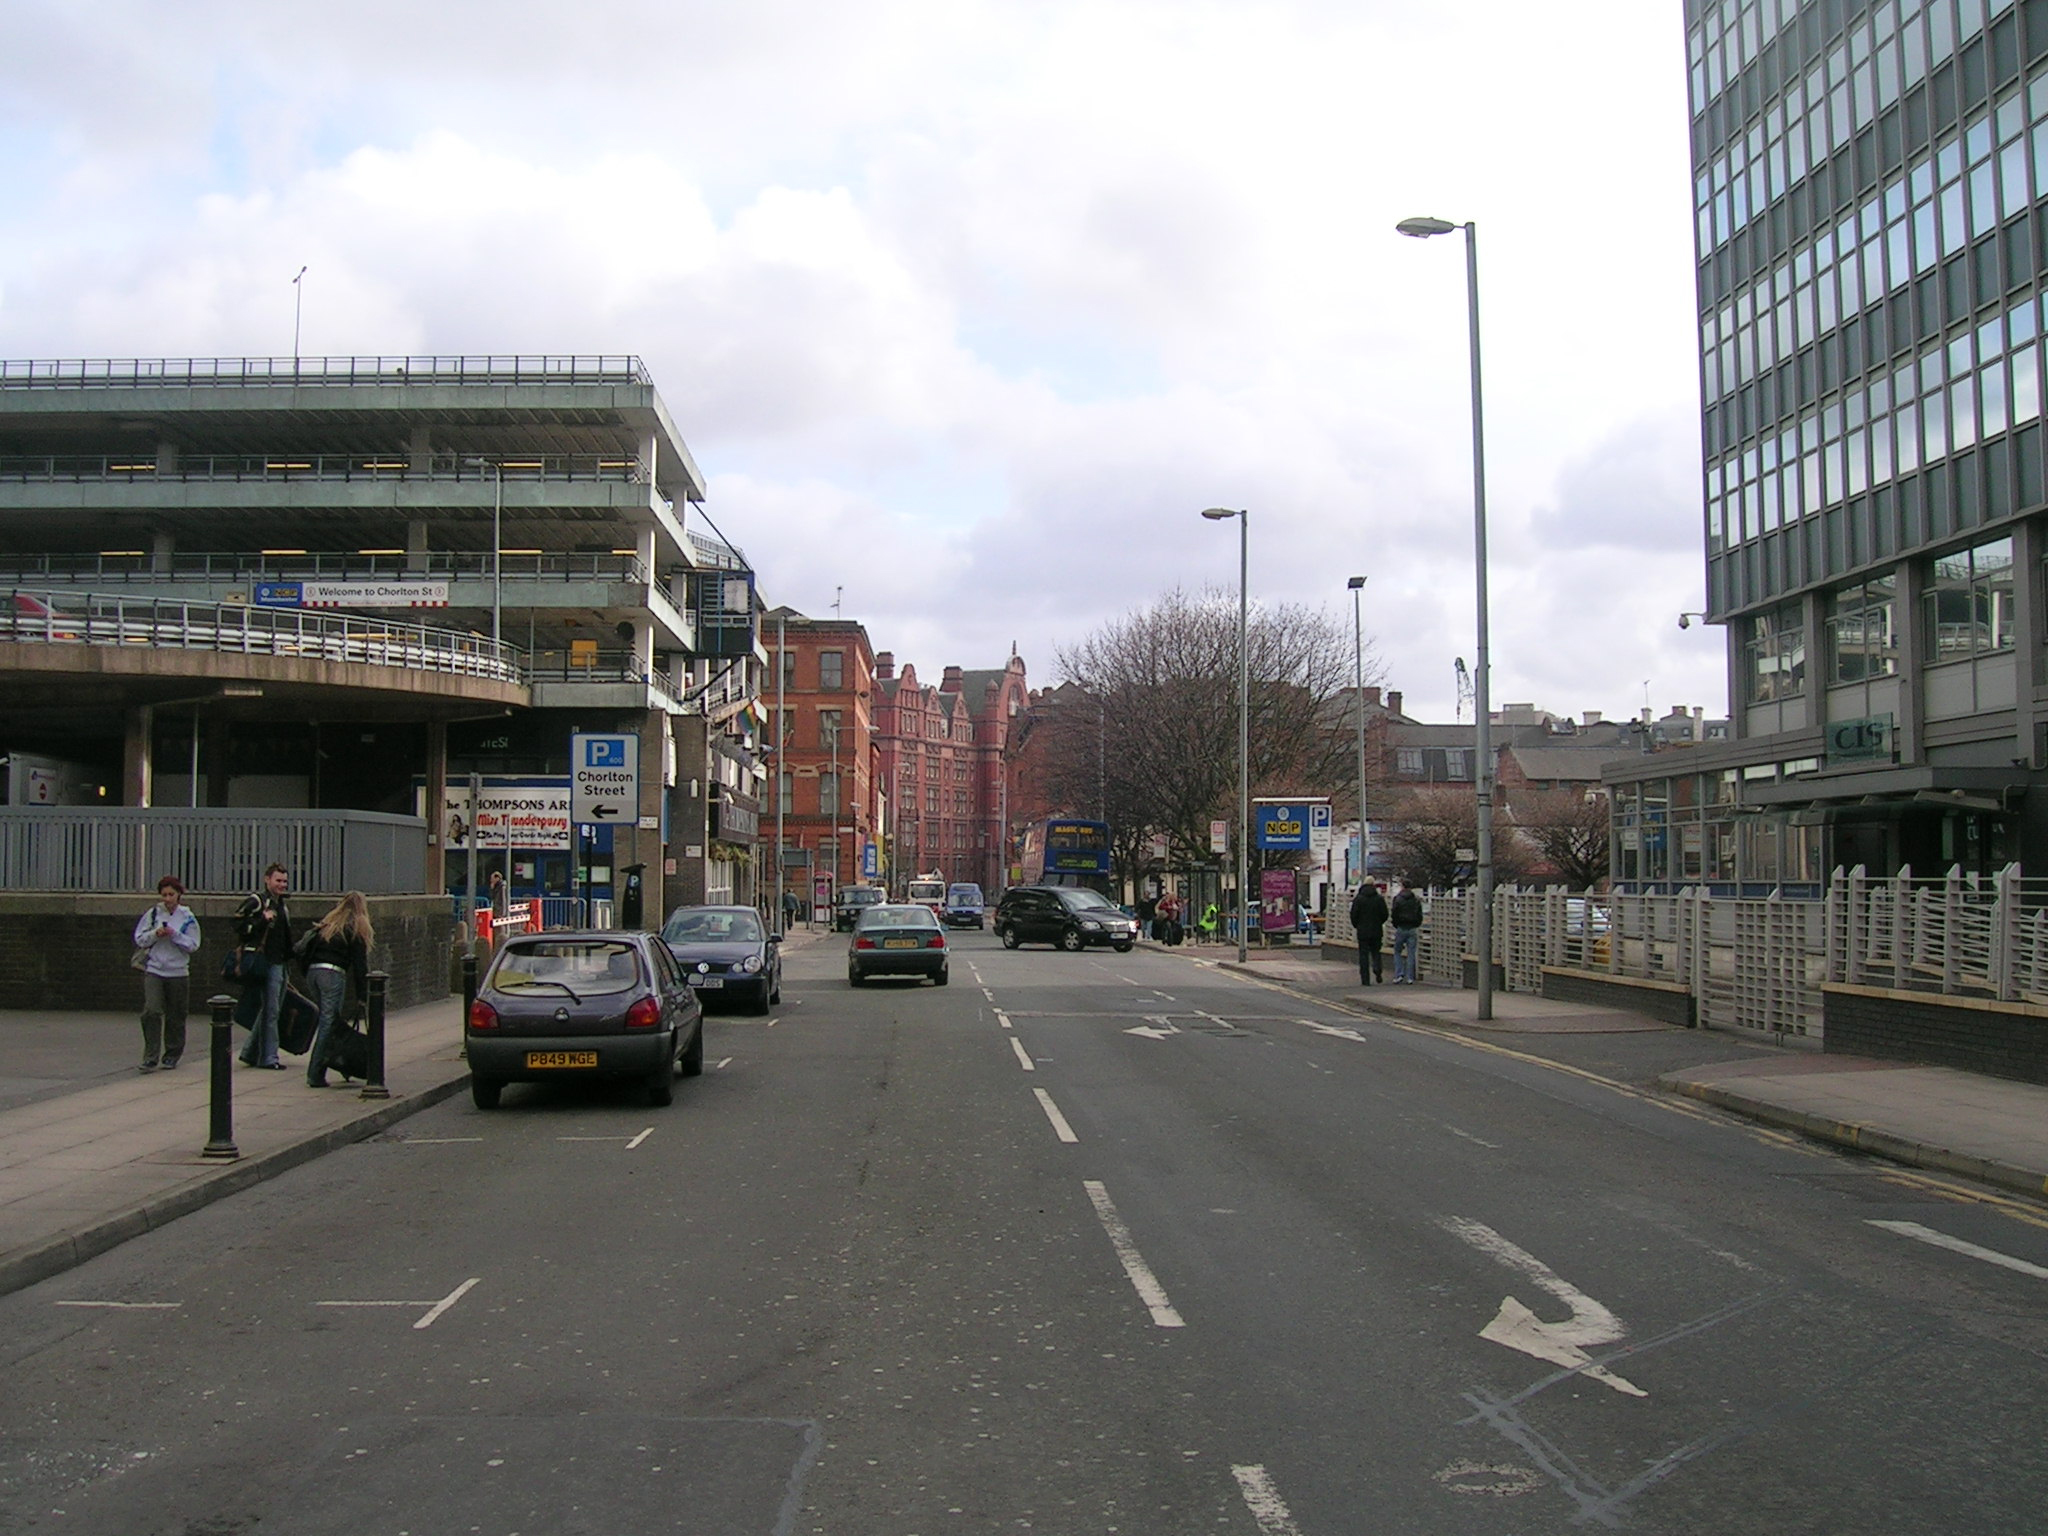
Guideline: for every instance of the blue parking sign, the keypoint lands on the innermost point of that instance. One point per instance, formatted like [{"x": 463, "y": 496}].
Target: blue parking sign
[{"x": 1280, "y": 827}]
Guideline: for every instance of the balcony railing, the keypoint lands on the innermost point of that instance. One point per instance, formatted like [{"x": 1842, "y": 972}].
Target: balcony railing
[
  {"x": 328, "y": 468},
  {"x": 323, "y": 372},
  {"x": 100, "y": 619},
  {"x": 137, "y": 566}
]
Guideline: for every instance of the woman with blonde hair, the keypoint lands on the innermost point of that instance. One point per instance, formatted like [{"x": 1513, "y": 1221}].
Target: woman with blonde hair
[{"x": 336, "y": 951}]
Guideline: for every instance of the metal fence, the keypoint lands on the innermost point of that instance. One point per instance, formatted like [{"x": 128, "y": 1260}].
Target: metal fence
[
  {"x": 75, "y": 848},
  {"x": 1760, "y": 963},
  {"x": 281, "y": 468},
  {"x": 90, "y": 618},
  {"x": 355, "y": 372}
]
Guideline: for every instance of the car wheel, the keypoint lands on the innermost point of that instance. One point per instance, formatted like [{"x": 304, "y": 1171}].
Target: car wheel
[
  {"x": 759, "y": 1005},
  {"x": 1008, "y": 936},
  {"x": 1124, "y": 948},
  {"x": 939, "y": 977},
  {"x": 1071, "y": 941},
  {"x": 693, "y": 1058},
  {"x": 484, "y": 1092},
  {"x": 777, "y": 998},
  {"x": 661, "y": 1082},
  {"x": 854, "y": 977}
]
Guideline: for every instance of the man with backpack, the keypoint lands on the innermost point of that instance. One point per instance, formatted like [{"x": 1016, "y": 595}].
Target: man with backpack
[
  {"x": 265, "y": 929},
  {"x": 1406, "y": 913}
]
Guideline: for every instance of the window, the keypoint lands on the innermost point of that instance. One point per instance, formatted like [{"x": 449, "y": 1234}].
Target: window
[
  {"x": 831, "y": 669},
  {"x": 1774, "y": 656},
  {"x": 1408, "y": 762},
  {"x": 828, "y": 728},
  {"x": 828, "y": 793},
  {"x": 1969, "y": 603},
  {"x": 1863, "y": 640},
  {"x": 788, "y": 670},
  {"x": 1457, "y": 763}
]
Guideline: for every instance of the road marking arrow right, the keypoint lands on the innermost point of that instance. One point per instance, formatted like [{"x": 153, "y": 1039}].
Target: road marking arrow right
[{"x": 1516, "y": 1327}]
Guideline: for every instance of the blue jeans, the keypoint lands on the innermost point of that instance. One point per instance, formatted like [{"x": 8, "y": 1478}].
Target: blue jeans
[
  {"x": 329, "y": 987},
  {"x": 1404, "y": 953},
  {"x": 261, "y": 1051}
]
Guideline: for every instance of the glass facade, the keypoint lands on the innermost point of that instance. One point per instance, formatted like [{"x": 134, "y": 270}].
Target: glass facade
[{"x": 1869, "y": 191}]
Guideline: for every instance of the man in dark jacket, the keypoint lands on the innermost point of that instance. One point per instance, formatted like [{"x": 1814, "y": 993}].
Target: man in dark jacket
[
  {"x": 263, "y": 925},
  {"x": 1369, "y": 922},
  {"x": 1407, "y": 918}
]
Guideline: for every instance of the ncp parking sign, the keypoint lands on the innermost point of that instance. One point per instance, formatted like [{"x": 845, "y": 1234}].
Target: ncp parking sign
[
  {"x": 1281, "y": 827},
  {"x": 604, "y": 779}
]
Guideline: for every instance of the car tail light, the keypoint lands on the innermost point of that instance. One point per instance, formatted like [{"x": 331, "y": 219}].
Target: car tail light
[
  {"x": 645, "y": 1014},
  {"x": 863, "y": 943},
  {"x": 936, "y": 941},
  {"x": 482, "y": 1015}
]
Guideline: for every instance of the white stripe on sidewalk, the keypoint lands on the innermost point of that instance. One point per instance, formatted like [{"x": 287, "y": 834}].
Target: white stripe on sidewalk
[
  {"x": 1913, "y": 1229},
  {"x": 1023, "y": 1058},
  {"x": 1150, "y": 1291},
  {"x": 1060, "y": 1128},
  {"x": 1264, "y": 1501}
]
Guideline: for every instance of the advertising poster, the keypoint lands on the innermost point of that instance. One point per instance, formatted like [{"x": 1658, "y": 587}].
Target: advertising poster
[
  {"x": 1276, "y": 900},
  {"x": 508, "y": 816}
]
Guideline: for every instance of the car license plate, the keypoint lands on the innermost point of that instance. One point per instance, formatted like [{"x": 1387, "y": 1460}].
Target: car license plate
[
  {"x": 707, "y": 981},
  {"x": 536, "y": 1059},
  {"x": 903, "y": 944}
]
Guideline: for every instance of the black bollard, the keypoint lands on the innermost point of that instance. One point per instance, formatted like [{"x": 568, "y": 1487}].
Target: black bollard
[
  {"x": 220, "y": 1132},
  {"x": 373, "y": 1026},
  {"x": 468, "y": 996}
]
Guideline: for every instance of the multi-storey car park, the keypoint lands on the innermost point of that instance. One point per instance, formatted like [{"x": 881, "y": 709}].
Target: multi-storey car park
[
  {"x": 268, "y": 584},
  {"x": 1871, "y": 202}
]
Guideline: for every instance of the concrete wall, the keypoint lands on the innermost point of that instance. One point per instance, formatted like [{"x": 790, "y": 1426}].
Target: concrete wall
[
  {"x": 60, "y": 952},
  {"x": 1973, "y": 1034},
  {"x": 1653, "y": 999}
]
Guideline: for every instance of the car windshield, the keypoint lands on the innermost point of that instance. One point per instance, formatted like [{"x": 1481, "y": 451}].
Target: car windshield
[
  {"x": 965, "y": 895},
  {"x": 898, "y": 917},
  {"x": 583, "y": 966},
  {"x": 1085, "y": 900},
  {"x": 860, "y": 896},
  {"x": 713, "y": 925}
]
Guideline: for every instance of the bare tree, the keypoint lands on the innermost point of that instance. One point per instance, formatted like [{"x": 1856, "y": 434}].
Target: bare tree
[
  {"x": 1435, "y": 839},
  {"x": 1568, "y": 829}
]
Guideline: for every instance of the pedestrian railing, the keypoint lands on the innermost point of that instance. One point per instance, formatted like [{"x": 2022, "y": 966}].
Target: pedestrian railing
[
  {"x": 320, "y": 372},
  {"x": 140, "y": 567},
  {"x": 114, "y": 848},
  {"x": 282, "y": 468}
]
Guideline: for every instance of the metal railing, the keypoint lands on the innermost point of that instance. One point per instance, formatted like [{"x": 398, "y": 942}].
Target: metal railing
[
  {"x": 280, "y": 468},
  {"x": 101, "y": 619},
  {"x": 138, "y": 567},
  {"x": 266, "y": 372},
  {"x": 1956, "y": 934},
  {"x": 115, "y": 848}
]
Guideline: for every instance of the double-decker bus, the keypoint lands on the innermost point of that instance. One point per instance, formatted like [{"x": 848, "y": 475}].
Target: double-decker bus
[{"x": 1066, "y": 850}]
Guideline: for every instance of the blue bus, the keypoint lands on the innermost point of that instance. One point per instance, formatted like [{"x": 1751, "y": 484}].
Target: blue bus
[{"x": 1066, "y": 850}]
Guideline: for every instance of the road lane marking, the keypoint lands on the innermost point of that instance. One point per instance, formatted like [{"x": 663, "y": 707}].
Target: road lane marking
[
  {"x": 1150, "y": 1291},
  {"x": 1060, "y": 1128},
  {"x": 720, "y": 1066},
  {"x": 432, "y": 1141},
  {"x": 447, "y": 1301},
  {"x": 125, "y": 1306},
  {"x": 1913, "y": 1229},
  {"x": 1482, "y": 1141},
  {"x": 1264, "y": 1501},
  {"x": 1157, "y": 1029},
  {"x": 590, "y": 1138},
  {"x": 1339, "y": 1030},
  {"x": 1002, "y": 1018},
  {"x": 640, "y": 1138},
  {"x": 1516, "y": 1327},
  {"x": 1023, "y": 1060}
]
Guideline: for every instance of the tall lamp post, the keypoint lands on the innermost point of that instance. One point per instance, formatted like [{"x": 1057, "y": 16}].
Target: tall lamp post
[
  {"x": 1482, "y": 770},
  {"x": 1244, "y": 715},
  {"x": 1357, "y": 586},
  {"x": 781, "y": 769}
]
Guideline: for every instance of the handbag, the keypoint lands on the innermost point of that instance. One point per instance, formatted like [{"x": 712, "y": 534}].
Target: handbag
[
  {"x": 242, "y": 965},
  {"x": 138, "y": 959}
]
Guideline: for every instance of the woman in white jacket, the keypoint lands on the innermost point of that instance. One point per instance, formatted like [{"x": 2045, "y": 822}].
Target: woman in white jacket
[{"x": 167, "y": 935}]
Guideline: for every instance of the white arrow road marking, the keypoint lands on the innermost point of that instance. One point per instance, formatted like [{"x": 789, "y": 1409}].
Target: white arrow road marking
[
  {"x": 1264, "y": 1501},
  {"x": 1153, "y": 1031},
  {"x": 1060, "y": 1128},
  {"x": 1335, "y": 1029},
  {"x": 1957, "y": 1245},
  {"x": 1147, "y": 1285},
  {"x": 1517, "y": 1327}
]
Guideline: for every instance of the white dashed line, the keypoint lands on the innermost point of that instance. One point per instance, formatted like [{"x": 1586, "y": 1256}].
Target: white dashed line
[
  {"x": 1913, "y": 1229},
  {"x": 1150, "y": 1291},
  {"x": 1023, "y": 1059},
  {"x": 446, "y": 1302},
  {"x": 720, "y": 1066},
  {"x": 640, "y": 1138},
  {"x": 127, "y": 1306},
  {"x": 433, "y": 1141},
  {"x": 1264, "y": 1501},
  {"x": 1002, "y": 1018},
  {"x": 1060, "y": 1128}
]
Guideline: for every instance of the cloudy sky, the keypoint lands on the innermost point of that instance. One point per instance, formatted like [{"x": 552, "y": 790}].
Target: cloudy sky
[{"x": 966, "y": 307}]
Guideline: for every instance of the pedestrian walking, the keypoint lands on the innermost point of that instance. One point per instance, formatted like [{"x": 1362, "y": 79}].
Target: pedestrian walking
[
  {"x": 166, "y": 938},
  {"x": 1406, "y": 913},
  {"x": 792, "y": 909},
  {"x": 336, "y": 952},
  {"x": 264, "y": 926},
  {"x": 1369, "y": 922},
  {"x": 1169, "y": 918}
]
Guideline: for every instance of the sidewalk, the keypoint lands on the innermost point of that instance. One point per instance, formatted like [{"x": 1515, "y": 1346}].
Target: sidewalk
[{"x": 1983, "y": 1128}]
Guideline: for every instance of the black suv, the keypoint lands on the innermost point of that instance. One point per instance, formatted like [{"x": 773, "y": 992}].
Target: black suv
[{"x": 1070, "y": 916}]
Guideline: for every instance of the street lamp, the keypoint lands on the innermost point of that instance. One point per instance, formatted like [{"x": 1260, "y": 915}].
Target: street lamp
[
  {"x": 1482, "y": 770},
  {"x": 1244, "y": 713},
  {"x": 1357, "y": 586}
]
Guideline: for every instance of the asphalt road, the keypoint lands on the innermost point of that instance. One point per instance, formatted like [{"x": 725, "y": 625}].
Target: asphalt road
[{"x": 1097, "y": 1243}]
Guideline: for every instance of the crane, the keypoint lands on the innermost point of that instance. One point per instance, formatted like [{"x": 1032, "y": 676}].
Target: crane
[{"x": 1464, "y": 685}]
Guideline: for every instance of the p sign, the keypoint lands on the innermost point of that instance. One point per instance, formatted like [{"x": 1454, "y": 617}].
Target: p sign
[{"x": 604, "y": 780}]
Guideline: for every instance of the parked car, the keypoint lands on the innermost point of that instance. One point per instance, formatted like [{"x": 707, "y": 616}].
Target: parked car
[
  {"x": 1070, "y": 916},
  {"x": 964, "y": 906},
  {"x": 575, "y": 1005},
  {"x": 851, "y": 901},
  {"x": 728, "y": 953},
  {"x": 897, "y": 940}
]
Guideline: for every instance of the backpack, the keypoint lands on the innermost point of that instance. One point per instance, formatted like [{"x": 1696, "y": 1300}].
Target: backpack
[{"x": 1407, "y": 911}]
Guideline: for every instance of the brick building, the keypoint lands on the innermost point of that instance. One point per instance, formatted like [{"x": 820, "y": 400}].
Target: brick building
[
  {"x": 822, "y": 676},
  {"x": 944, "y": 750}
]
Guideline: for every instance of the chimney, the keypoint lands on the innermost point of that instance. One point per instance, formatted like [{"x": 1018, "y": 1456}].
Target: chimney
[
  {"x": 1393, "y": 701},
  {"x": 1372, "y": 697},
  {"x": 1590, "y": 717},
  {"x": 950, "y": 683},
  {"x": 885, "y": 665}
]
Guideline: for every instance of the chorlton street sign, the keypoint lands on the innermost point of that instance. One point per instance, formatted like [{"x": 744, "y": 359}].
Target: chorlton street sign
[{"x": 604, "y": 785}]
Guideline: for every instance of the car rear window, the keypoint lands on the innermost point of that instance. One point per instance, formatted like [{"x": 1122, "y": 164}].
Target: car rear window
[
  {"x": 899, "y": 917},
  {"x": 584, "y": 966}
]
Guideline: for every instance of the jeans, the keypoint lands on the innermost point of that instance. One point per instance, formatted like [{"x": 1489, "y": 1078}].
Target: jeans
[
  {"x": 163, "y": 1017},
  {"x": 329, "y": 987},
  {"x": 1404, "y": 953},
  {"x": 261, "y": 1051}
]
